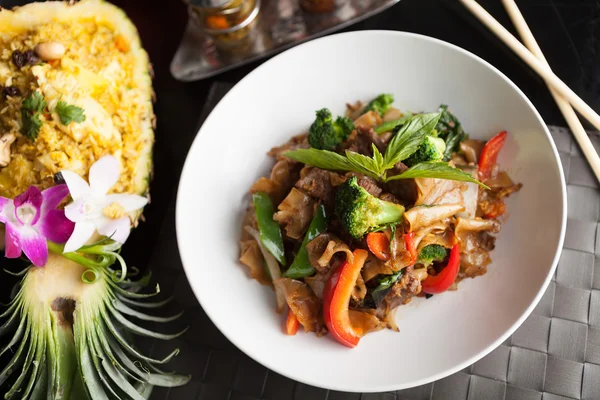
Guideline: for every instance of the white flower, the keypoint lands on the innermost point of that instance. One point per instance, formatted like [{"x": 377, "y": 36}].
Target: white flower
[{"x": 93, "y": 209}]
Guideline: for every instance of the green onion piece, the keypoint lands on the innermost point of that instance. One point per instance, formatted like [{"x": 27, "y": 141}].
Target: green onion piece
[
  {"x": 301, "y": 266},
  {"x": 270, "y": 233}
]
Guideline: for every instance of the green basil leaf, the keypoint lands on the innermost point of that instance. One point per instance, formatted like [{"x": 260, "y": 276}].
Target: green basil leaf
[
  {"x": 390, "y": 125},
  {"x": 450, "y": 129},
  {"x": 330, "y": 160},
  {"x": 323, "y": 159},
  {"x": 436, "y": 169},
  {"x": 378, "y": 158},
  {"x": 301, "y": 266},
  {"x": 385, "y": 283},
  {"x": 410, "y": 136},
  {"x": 364, "y": 164}
]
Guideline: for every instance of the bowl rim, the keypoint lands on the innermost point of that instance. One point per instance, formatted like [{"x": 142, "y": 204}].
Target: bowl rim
[{"x": 187, "y": 263}]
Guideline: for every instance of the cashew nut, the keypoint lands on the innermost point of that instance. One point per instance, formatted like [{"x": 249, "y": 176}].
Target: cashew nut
[
  {"x": 5, "y": 142},
  {"x": 50, "y": 51}
]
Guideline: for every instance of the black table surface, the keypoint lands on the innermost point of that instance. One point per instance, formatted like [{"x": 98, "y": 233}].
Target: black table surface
[{"x": 568, "y": 32}]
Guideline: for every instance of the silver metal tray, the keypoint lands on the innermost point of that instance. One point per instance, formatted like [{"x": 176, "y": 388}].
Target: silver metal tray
[{"x": 281, "y": 24}]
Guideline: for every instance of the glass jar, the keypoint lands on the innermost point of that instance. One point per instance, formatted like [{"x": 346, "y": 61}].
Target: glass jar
[{"x": 228, "y": 22}]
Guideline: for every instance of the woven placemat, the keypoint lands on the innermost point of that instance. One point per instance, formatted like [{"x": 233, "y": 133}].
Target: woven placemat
[{"x": 554, "y": 355}]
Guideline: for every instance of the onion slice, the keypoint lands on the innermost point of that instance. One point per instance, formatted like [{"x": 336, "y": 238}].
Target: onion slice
[{"x": 272, "y": 266}]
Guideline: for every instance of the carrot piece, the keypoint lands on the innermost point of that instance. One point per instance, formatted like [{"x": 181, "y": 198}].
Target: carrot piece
[
  {"x": 379, "y": 245},
  {"x": 291, "y": 323}
]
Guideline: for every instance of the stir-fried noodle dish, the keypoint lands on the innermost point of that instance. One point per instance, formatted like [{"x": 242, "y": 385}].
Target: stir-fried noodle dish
[{"x": 367, "y": 210}]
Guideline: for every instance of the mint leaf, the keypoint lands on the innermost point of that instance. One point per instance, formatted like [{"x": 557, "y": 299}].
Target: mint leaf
[
  {"x": 436, "y": 169},
  {"x": 69, "y": 113},
  {"x": 409, "y": 138},
  {"x": 323, "y": 159},
  {"x": 31, "y": 108}
]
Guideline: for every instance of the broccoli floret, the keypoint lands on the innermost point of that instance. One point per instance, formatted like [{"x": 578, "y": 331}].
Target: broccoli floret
[
  {"x": 431, "y": 253},
  {"x": 432, "y": 149},
  {"x": 327, "y": 134},
  {"x": 360, "y": 212},
  {"x": 381, "y": 104}
]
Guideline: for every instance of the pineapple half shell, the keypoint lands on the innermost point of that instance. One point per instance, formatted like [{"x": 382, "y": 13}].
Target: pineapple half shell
[{"x": 68, "y": 329}]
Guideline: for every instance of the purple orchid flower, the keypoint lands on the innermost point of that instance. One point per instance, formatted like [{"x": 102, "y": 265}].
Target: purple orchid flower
[{"x": 31, "y": 219}]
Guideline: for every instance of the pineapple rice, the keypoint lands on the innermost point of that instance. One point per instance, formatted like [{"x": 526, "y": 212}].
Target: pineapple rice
[{"x": 99, "y": 73}]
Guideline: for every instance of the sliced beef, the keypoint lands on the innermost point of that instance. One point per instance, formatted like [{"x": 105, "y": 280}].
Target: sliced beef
[
  {"x": 362, "y": 139},
  {"x": 369, "y": 184},
  {"x": 405, "y": 190},
  {"x": 297, "y": 142},
  {"x": 476, "y": 256},
  {"x": 390, "y": 197},
  {"x": 403, "y": 290},
  {"x": 318, "y": 184}
]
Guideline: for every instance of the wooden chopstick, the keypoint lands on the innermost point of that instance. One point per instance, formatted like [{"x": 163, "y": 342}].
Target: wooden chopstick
[
  {"x": 578, "y": 131},
  {"x": 542, "y": 69}
]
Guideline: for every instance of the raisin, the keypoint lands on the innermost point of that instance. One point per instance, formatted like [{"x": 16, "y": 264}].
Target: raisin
[
  {"x": 18, "y": 59},
  {"x": 10, "y": 91},
  {"x": 31, "y": 58}
]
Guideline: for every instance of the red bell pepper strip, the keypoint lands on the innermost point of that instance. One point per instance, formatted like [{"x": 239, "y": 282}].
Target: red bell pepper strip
[
  {"x": 489, "y": 155},
  {"x": 336, "y": 297},
  {"x": 291, "y": 323},
  {"x": 379, "y": 245},
  {"x": 409, "y": 242},
  {"x": 442, "y": 281}
]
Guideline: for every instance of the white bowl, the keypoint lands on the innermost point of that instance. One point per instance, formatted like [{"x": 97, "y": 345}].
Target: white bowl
[{"x": 438, "y": 336}]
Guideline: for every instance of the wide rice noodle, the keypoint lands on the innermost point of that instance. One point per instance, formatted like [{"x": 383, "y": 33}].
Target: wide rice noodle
[
  {"x": 445, "y": 239},
  {"x": 302, "y": 301},
  {"x": 436, "y": 228},
  {"x": 322, "y": 249},
  {"x": 419, "y": 217},
  {"x": 253, "y": 259},
  {"x": 466, "y": 226},
  {"x": 438, "y": 191}
]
